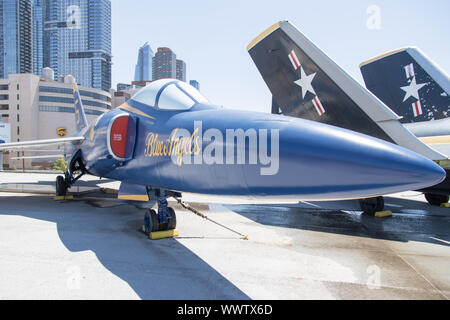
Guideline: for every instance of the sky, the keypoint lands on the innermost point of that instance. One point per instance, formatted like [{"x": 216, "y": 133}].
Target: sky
[{"x": 211, "y": 37}]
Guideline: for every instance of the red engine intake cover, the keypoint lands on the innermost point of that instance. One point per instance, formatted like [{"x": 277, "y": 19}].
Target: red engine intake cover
[{"x": 118, "y": 136}]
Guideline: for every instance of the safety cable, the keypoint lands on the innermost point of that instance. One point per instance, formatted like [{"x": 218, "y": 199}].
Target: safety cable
[{"x": 198, "y": 213}]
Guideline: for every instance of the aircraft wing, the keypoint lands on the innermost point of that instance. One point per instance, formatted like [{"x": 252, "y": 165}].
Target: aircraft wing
[
  {"x": 50, "y": 156},
  {"x": 306, "y": 83},
  {"x": 23, "y": 146}
]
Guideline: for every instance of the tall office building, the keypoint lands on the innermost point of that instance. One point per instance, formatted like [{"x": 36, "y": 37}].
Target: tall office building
[
  {"x": 15, "y": 37},
  {"x": 77, "y": 40},
  {"x": 143, "y": 71},
  {"x": 164, "y": 64},
  {"x": 181, "y": 70},
  {"x": 38, "y": 36}
]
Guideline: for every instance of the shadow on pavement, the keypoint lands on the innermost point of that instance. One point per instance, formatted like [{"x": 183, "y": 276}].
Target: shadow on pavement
[{"x": 163, "y": 269}]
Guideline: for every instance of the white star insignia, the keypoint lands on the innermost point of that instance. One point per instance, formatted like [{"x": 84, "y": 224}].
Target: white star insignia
[
  {"x": 305, "y": 82},
  {"x": 412, "y": 90}
]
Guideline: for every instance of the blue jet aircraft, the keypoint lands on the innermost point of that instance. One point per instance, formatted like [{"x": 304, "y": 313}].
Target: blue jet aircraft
[{"x": 168, "y": 139}]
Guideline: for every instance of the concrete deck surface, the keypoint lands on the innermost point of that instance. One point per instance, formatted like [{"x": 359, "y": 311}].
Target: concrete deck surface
[{"x": 81, "y": 250}]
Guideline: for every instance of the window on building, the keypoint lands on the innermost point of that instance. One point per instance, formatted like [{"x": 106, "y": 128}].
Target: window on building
[
  {"x": 56, "y": 90},
  {"x": 18, "y": 98},
  {"x": 4, "y": 87},
  {"x": 18, "y": 130},
  {"x": 68, "y": 110},
  {"x": 18, "y": 87},
  {"x": 70, "y": 101},
  {"x": 18, "y": 119},
  {"x": 18, "y": 107},
  {"x": 4, "y": 107}
]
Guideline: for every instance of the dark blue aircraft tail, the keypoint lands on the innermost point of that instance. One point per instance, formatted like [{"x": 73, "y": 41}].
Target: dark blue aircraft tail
[
  {"x": 306, "y": 83},
  {"x": 410, "y": 84},
  {"x": 80, "y": 116}
]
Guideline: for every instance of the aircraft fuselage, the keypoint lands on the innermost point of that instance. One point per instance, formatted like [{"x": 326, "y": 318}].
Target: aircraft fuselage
[{"x": 212, "y": 150}]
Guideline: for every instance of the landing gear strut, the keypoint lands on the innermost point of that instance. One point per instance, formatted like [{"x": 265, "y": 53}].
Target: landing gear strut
[
  {"x": 165, "y": 219},
  {"x": 372, "y": 205}
]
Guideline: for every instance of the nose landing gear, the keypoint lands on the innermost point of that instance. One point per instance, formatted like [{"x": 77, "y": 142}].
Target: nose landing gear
[
  {"x": 75, "y": 166},
  {"x": 164, "y": 220}
]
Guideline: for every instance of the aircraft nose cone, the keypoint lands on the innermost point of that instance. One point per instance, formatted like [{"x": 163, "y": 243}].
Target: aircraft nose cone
[
  {"x": 325, "y": 162},
  {"x": 405, "y": 168}
]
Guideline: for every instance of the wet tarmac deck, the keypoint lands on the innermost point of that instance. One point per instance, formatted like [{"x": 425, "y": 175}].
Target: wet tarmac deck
[{"x": 93, "y": 250}]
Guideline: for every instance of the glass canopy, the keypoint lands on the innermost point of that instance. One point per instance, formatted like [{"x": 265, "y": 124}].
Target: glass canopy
[{"x": 169, "y": 94}]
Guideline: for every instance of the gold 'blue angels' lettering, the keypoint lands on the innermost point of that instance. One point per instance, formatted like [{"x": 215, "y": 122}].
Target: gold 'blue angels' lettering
[{"x": 154, "y": 147}]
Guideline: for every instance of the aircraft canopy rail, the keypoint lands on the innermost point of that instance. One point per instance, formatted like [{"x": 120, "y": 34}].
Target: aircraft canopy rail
[{"x": 169, "y": 94}]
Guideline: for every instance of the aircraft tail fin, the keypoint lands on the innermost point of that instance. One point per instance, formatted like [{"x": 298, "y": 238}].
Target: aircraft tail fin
[
  {"x": 80, "y": 116},
  {"x": 410, "y": 84},
  {"x": 306, "y": 83}
]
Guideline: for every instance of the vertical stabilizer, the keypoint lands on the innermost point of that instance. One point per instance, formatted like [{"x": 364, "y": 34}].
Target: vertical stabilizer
[{"x": 80, "y": 116}]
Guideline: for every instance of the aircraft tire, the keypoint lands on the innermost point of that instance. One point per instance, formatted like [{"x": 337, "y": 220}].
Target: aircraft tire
[
  {"x": 380, "y": 204},
  {"x": 436, "y": 199},
  {"x": 61, "y": 188},
  {"x": 172, "y": 220},
  {"x": 371, "y": 205},
  {"x": 152, "y": 220}
]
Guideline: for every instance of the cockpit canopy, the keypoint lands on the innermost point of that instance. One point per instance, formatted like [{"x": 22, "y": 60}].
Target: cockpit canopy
[{"x": 169, "y": 94}]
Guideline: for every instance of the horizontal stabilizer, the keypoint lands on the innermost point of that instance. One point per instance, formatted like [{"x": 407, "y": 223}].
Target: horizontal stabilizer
[{"x": 306, "y": 83}]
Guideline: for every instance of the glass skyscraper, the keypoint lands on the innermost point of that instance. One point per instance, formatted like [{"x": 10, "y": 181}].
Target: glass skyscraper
[
  {"x": 77, "y": 40},
  {"x": 15, "y": 37},
  {"x": 38, "y": 36},
  {"x": 143, "y": 71}
]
